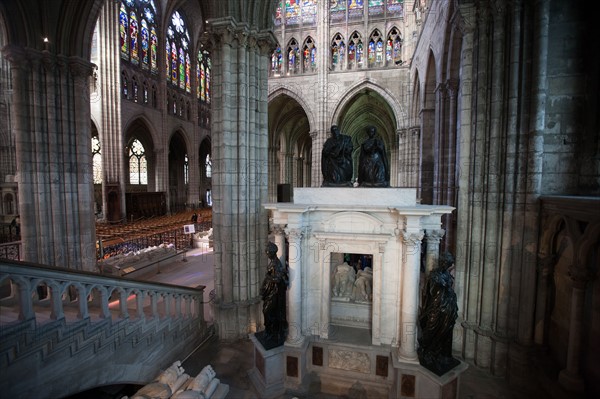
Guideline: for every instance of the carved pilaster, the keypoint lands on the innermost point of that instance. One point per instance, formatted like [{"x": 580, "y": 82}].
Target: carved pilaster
[{"x": 295, "y": 337}]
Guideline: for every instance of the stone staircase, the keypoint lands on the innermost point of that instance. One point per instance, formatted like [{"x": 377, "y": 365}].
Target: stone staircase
[{"x": 64, "y": 331}]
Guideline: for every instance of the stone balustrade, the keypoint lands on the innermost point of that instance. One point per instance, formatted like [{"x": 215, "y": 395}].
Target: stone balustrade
[{"x": 63, "y": 323}]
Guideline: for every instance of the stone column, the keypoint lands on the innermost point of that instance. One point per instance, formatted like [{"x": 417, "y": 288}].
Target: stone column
[
  {"x": 411, "y": 264},
  {"x": 110, "y": 130},
  {"x": 432, "y": 254},
  {"x": 570, "y": 377},
  {"x": 239, "y": 181},
  {"x": 295, "y": 337},
  {"x": 51, "y": 116}
]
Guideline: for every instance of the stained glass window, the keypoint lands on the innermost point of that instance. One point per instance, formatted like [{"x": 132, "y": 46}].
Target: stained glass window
[
  {"x": 208, "y": 166},
  {"x": 182, "y": 57},
  {"x": 355, "y": 9},
  {"x": 174, "y": 71},
  {"x": 137, "y": 33},
  {"x": 276, "y": 61},
  {"x": 395, "y": 7},
  {"x": 293, "y": 53},
  {"x": 375, "y": 8},
  {"x": 178, "y": 38},
  {"x": 338, "y": 50},
  {"x": 393, "y": 48},
  {"x": 133, "y": 36},
  {"x": 145, "y": 93},
  {"x": 153, "y": 50},
  {"x": 359, "y": 54},
  {"x": 375, "y": 51},
  {"x": 145, "y": 42},
  {"x": 278, "y": 15},
  {"x": 96, "y": 160},
  {"x": 309, "y": 12},
  {"x": 138, "y": 167},
  {"x": 168, "y": 59},
  {"x": 292, "y": 12},
  {"x": 186, "y": 169},
  {"x": 309, "y": 51},
  {"x": 337, "y": 10},
  {"x": 125, "y": 85},
  {"x": 203, "y": 76},
  {"x": 134, "y": 88},
  {"x": 123, "y": 29},
  {"x": 208, "y": 69}
]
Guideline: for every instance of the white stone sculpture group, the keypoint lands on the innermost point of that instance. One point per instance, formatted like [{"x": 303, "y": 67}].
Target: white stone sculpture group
[
  {"x": 351, "y": 285},
  {"x": 174, "y": 383}
]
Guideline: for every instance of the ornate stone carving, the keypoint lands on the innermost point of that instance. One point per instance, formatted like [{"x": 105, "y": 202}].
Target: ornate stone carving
[{"x": 349, "y": 360}]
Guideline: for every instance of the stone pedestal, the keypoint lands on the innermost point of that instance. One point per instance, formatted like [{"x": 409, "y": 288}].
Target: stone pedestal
[
  {"x": 268, "y": 371},
  {"x": 415, "y": 381},
  {"x": 296, "y": 368}
]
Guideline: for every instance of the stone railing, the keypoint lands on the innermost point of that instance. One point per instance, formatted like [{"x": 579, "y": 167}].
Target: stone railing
[
  {"x": 65, "y": 324},
  {"x": 10, "y": 250}
]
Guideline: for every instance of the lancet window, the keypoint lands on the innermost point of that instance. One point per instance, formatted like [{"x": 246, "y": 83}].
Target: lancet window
[
  {"x": 309, "y": 55},
  {"x": 203, "y": 71},
  {"x": 96, "y": 160},
  {"x": 338, "y": 52},
  {"x": 375, "y": 51},
  {"x": 276, "y": 61},
  {"x": 355, "y": 51},
  {"x": 393, "y": 48},
  {"x": 293, "y": 57},
  {"x": 137, "y": 33},
  {"x": 138, "y": 165},
  {"x": 177, "y": 54}
]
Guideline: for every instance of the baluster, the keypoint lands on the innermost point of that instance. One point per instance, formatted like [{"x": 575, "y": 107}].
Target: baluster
[
  {"x": 57, "y": 305},
  {"x": 139, "y": 300},
  {"x": 167, "y": 303},
  {"x": 123, "y": 294},
  {"x": 83, "y": 304},
  {"x": 104, "y": 298},
  {"x": 154, "y": 296},
  {"x": 26, "y": 304},
  {"x": 188, "y": 306},
  {"x": 178, "y": 306}
]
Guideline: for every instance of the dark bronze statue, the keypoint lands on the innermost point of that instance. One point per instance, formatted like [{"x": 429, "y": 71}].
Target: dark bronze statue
[
  {"x": 336, "y": 160},
  {"x": 373, "y": 167},
  {"x": 437, "y": 315},
  {"x": 273, "y": 293}
]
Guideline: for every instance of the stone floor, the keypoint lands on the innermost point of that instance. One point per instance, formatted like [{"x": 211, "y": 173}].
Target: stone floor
[{"x": 232, "y": 360}]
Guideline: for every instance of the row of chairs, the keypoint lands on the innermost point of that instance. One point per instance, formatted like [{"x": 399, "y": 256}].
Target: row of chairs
[{"x": 133, "y": 236}]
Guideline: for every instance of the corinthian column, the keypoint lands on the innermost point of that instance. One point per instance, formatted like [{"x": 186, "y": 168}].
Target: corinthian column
[{"x": 432, "y": 254}]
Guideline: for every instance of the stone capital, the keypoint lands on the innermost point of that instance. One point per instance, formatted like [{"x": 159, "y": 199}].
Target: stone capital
[
  {"x": 17, "y": 56},
  {"x": 266, "y": 42},
  {"x": 278, "y": 229},
  {"x": 412, "y": 238},
  {"x": 294, "y": 234},
  {"x": 434, "y": 236},
  {"x": 80, "y": 68}
]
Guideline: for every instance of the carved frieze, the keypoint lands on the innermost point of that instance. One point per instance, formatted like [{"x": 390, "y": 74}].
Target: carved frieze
[{"x": 349, "y": 360}]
